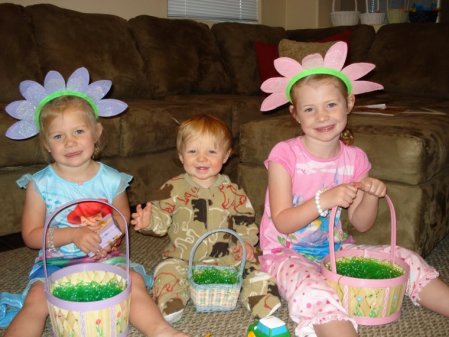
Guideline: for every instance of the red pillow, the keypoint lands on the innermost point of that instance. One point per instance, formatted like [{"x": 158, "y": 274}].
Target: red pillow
[
  {"x": 343, "y": 36},
  {"x": 266, "y": 53}
]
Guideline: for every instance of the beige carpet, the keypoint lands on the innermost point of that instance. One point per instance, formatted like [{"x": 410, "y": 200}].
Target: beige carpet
[{"x": 415, "y": 321}]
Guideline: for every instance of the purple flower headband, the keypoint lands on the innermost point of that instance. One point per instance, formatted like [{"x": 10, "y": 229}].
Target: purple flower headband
[
  {"x": 36, "y": 96},
  {"x": 332, "y": 64}
]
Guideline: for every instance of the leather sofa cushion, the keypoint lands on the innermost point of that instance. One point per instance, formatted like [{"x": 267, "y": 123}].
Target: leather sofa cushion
[
  {"x": 18, "y": 58},
  {"x": 244, "y": 108},
  {"x": 237, "y": 46},
  {"x": 180, "y": 56},
  {"x": 360, "y": 39},
  {"x": 409, "y": 149},
  {"x": 151, "y": 125},
  {"x": 102, "y": 43},
  {"x": 412, "y": 58}
]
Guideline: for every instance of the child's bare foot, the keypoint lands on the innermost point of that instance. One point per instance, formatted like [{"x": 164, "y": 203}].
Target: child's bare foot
[{"x": 168, "y": 331}]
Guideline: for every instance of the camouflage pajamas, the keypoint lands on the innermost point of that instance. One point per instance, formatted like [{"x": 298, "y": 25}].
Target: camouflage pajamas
[{"x": 186, "y": 211}]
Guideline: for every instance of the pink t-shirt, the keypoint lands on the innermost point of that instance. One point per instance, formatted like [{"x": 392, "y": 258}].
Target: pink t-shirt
[{"x": 309, "y": 174}]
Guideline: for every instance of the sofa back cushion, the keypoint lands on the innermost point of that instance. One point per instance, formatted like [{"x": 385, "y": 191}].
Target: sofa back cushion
[
  {"x": 102, "y": 43},
  {"x": 18, "y": 59},
  {"x": 180, "y": 56},
  {"x": 360, "y": 38},
  {"x": 412, "y": 58},
  {"x": 237, "y": 46},
  {"x": 298, "y": 50}
]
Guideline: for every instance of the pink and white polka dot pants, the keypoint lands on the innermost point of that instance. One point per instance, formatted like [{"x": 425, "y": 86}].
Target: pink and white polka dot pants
[{"x": 312, "y": 301}]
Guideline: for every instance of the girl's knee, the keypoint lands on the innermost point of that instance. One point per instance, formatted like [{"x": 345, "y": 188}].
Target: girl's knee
[
  {"x": 36, "y": 297},
  {"x": 136, "y": 279}
]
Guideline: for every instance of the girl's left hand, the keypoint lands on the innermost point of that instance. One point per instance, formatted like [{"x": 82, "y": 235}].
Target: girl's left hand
[
  {"x": 101, "y": 253},
  {"x": 373, "y": 186},
  {"x": 238, "y": 250}
]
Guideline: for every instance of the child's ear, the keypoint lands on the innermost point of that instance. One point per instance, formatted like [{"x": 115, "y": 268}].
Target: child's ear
[
  {"x": 180, "y": 157},
  {"x": 98, "y": 131},
  {"x": 227, "y": 156},
  {"x": 294, "y": 113},
  {"x": 351, "y": 102}
]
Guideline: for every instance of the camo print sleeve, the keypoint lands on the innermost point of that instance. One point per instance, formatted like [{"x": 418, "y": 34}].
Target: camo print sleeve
[
  {"x": 242, "y": 214},
  {"x": 162, "y": 210}
]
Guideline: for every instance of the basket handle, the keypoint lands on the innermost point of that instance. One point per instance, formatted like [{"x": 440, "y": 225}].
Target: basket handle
[
  {"x": 393, "y": 234},
  {"x": 78, "y": 201},
  {"x": 333, "y": 5},
  {"x": 205, "y": 235}
]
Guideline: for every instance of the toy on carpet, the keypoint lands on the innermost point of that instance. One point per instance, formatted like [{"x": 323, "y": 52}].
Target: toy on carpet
[{"x": 270, "y": 326}]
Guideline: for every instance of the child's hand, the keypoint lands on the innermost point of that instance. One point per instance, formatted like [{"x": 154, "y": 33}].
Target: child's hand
[
  {"x": 373, "y": 186},
  {"x": 92, "y": 222},
  {"x": 341, "y": 195},
  {"x": 141, "y": 218},
  {"x": 87, "y": 240},
  {"x": 238, "y": 250}
]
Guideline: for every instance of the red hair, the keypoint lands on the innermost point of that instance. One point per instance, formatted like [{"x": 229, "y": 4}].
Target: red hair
[{"x": 87, "y": 209}]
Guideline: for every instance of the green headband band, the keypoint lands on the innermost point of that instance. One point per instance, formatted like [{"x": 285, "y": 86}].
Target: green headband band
[
  {"x": 60, "y": 93},
  {"x": 315, "y": 71}
]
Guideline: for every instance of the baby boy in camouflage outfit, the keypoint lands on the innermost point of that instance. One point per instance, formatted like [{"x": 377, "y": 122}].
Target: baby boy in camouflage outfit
[{"x": 196, "y": 202}]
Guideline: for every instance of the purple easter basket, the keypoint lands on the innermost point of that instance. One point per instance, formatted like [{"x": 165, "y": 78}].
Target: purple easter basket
[
  {"x": 368, "y": 301},
  {"x": 107, "y": 317}
]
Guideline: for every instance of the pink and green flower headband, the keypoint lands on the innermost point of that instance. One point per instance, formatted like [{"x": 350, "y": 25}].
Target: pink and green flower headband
[
  {"x": 36, "y": 96},
  {"x": 332, "y": 64}
]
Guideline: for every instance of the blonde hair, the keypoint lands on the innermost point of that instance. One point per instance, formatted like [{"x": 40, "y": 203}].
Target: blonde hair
[
  {"x": 58, "y": 106},
  {"x": 339, "y": 84},
  {"x": 346, "y": 136},
  {"x": 204, "y": 125}
]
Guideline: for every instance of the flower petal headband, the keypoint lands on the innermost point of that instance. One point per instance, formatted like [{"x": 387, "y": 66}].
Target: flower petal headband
[
  {"x": 332, "y": 64},
  {"x": 36, "y": 96}
]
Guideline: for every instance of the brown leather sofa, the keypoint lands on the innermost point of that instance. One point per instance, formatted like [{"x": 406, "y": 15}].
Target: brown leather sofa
[{"x": 167, "y": 70}]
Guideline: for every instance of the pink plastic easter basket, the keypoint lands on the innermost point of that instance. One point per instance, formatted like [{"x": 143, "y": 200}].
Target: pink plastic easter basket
[
  {"x": 108, "y": 317},
  {"x": 215, "y": 297},
  {"x": 368, "y": 301}
]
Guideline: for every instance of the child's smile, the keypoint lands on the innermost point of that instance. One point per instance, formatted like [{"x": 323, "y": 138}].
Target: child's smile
[{"x": 203, "y": 159}]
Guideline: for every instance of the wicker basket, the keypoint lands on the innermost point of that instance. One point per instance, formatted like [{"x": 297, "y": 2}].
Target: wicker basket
[
  {"x": 215, "y": 297},
  {"x": 368, "y": 301},
  {"x": 345, "y": 18},
  {"x": 372, "y": 18},
  {"x": 108, "y": 317}
]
